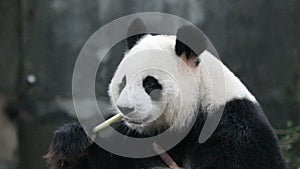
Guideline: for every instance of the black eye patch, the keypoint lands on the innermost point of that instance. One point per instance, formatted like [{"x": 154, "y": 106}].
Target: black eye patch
[
  {"x": 122, "y": 84},
  {"x": 152, "y": 87}
]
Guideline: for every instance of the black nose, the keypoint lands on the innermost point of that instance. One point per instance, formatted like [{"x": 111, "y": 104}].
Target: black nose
[{"x": 125, "y": 110}]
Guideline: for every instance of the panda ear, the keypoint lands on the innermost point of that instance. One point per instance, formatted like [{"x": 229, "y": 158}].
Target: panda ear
[
  {"x": 135, "y": 32},
  {"x": 190, "y": 43}
]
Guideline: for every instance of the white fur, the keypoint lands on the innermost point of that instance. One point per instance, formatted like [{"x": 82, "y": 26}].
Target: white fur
[
  {"x": 185, "y": 88},
  {"x": 218, "y": 84}
]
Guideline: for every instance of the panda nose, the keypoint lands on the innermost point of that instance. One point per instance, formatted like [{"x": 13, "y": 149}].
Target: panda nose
[{"x": 126, "y": 110}]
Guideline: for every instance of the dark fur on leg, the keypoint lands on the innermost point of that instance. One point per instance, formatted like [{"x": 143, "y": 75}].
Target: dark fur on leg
[{"x": 68, "y": 147}]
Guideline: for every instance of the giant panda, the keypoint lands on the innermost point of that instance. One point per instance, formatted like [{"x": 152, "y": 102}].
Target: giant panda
[{"x": 243, "y": 139}]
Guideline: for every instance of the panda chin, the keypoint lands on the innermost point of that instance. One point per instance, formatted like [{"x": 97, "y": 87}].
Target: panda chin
[
  {"x": 149, "y": 127},
  {"x": 134, "y": 125},
  {"x": 139, "y": 125}
]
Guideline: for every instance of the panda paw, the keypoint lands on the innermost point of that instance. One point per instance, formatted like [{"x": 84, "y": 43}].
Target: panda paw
[{"x": 68, "y": 144}]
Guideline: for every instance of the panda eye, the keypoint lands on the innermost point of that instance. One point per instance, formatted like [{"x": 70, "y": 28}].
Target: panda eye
[
  {"x": 122, "y": 84},
  {"x": 150, "y": 84}
]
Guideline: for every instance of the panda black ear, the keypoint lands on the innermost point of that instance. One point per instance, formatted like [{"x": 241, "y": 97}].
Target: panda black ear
[
  {"x": 190, "y": 43},
  {"x": 135, "y": 32}
]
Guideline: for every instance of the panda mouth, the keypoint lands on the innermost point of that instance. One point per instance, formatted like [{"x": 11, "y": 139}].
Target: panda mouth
[
  {"x": 133, "y": 121},
  {"x": 137, "y": 122}
]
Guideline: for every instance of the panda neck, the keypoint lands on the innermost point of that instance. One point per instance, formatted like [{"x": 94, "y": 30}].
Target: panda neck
[{"x": 218, "y": 84}]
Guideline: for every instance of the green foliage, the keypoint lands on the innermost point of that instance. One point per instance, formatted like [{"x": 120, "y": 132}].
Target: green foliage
[{"x": 290, "y": 144}]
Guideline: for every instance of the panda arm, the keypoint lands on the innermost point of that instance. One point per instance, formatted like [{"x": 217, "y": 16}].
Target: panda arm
[{"x": 70, "y": 148}]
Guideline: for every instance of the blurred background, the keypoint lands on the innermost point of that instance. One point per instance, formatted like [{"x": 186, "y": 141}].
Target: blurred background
[{"x": 41, "y": 39}]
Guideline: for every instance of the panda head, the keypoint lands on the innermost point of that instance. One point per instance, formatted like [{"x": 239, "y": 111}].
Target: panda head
[{"x": 157, "y": 84}]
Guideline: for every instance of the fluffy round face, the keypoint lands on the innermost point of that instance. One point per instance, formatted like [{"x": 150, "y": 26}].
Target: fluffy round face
[{"x": 149, "y": 84}]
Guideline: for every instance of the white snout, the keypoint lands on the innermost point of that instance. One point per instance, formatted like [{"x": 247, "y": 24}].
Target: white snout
[{"x": 134, "y": 104}]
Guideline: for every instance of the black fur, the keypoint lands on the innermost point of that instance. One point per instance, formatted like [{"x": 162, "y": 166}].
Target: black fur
[
  {"x": 152, "y": 87},
  {"x": 68, "y": 147},
  {"x": 192, "y": 42},
  {"x": 122, "y": 84},
  {"x": 135, "y": 32},
  {"x": 243, "y": 139}
]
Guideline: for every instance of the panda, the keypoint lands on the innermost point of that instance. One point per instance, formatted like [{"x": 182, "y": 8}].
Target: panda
[{"x": 151, "y": 103}]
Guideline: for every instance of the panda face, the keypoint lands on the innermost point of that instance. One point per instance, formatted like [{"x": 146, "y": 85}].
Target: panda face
[
  {"x": 141, "y": 89},
  {"x": 148, "y": 83},
  {"x": 140, "y": 100}
]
